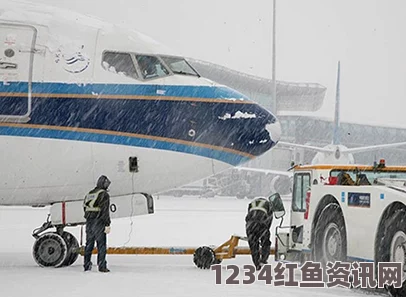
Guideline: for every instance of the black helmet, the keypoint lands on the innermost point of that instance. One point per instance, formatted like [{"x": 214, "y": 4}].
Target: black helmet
[{"x": 103, "y": 182}]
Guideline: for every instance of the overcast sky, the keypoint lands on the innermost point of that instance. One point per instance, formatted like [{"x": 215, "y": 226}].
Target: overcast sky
[{"x": 368, "y": 36}]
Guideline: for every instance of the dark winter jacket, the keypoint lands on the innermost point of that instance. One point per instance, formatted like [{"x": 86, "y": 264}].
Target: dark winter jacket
[
  {"x": 260, "y": 211},
  {"x": 102, "y": 202}
]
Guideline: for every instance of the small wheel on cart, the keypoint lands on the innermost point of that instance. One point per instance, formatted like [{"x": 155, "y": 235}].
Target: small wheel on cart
[
  {"x": 204, "y": 257},
  {"x": 217, "y": 261}
]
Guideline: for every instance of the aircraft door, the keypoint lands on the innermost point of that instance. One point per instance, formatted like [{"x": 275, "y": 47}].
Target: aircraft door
[
  {"x": 17, "y": 49},
  {"x": 301, "y": 184}
]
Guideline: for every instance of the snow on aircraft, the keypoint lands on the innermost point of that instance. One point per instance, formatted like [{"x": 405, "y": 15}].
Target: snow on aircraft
[
  {"x": 334, "y": 153},
  {"x": 80, "y": 97}
]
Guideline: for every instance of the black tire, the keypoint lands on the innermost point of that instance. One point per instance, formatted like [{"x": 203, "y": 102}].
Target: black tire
[
  {"x": 73, "y": 248},
  {"x": 204, "y": 257},
  {"x": 330, "y": 236},
  {"x": 50, "y": 250},
  {"x": 393, "y": 235},
  {"x": 217, "y": 261}
]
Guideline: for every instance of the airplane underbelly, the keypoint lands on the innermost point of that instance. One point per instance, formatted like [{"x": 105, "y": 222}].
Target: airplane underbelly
[{"x": 37, "y": 171}]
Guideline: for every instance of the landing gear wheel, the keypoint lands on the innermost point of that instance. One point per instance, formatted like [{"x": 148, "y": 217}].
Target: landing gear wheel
[
  {"x": 204, "y": 257},
  {"x": 72, "y": 248},
  {"x": 391, "y": 247},
  {"x": 330, "y": 236},
  {"x": 50, "y": 250}
]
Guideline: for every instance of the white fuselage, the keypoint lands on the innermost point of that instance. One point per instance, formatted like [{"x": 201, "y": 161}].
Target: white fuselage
[
  {"x": 43, "y": 171},
  {"x": 338, "y": 155},
  {"x": 69, "y": 112}
]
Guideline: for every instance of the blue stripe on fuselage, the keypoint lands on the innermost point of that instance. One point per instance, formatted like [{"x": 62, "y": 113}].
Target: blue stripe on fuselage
[
  {"x": 211, "y": 92},
  {"x": 153, "y": 118},
  {"x": 229, "y": 158}
]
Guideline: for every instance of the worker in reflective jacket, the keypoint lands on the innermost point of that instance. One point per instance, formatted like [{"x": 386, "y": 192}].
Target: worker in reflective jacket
[
  {"x": 258, "y": 223},
  {"x": 96, "y": 206}
]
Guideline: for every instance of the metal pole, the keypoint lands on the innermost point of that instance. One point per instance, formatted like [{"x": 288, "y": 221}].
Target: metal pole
[
  {"x": 274, "y": 102},
  {"x": 336, "y": 131}
]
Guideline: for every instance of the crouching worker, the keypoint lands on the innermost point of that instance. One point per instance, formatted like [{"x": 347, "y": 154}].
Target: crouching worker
[
  {"x": 258, "y": 223},
  {"x": 96, "y": 206}
]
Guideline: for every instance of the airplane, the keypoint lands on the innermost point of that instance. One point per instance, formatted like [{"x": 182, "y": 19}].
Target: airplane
[
  {"x": 80, "y": 98},
  {"x": 334, "y": 153}
]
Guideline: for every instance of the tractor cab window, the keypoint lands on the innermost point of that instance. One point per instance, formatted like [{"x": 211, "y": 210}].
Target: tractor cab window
[
  {"x": 301, "y": 184},
  {"x": 119, "y": 63},
  {"x": 151, "y": 67},
  {"x": 365, "y": 177}
]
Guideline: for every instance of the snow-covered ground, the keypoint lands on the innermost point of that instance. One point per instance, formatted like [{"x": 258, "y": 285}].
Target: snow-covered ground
[{"x": 186, "y": 221}]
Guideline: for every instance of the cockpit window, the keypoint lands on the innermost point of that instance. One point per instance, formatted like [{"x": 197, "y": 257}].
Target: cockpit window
[
  {"x": 151, "y": 67},
  {"x": 120, "y": 63},
  {"x": 140, "y": 66},
  {"x": 179, "y": 66}
]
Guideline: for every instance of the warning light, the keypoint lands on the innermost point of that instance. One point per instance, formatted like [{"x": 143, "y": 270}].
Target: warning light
[{"x": 380, "y": 165}]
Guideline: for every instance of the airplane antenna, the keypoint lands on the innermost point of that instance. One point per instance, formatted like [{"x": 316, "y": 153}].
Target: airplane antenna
[{"x": 336, "y": 133}]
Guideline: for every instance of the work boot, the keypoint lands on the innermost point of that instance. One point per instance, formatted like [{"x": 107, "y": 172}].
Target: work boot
[
  {"x": 104, "y": 270},
  {"x": 87, "y": 267},
  {"x": 264, "y": 259}
]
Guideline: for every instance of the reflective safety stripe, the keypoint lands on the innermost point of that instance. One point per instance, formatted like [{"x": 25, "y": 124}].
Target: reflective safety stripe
[
  {"x": 259, "y": 205},
  {"x": 90, "y": 200}
]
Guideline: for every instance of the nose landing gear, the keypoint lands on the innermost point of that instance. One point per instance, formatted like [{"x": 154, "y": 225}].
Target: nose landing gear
[{"x": 54, "y": 249}]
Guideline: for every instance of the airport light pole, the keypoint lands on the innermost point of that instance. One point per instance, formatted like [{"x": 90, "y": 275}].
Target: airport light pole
[{"x": 274, "y": 102}]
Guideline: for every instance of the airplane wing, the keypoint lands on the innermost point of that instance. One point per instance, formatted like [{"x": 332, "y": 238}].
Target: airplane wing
[
  {"x": 309, "y": 147},
  {"x": 286, "y": 173},
  {"x": 372, "y": 147}
]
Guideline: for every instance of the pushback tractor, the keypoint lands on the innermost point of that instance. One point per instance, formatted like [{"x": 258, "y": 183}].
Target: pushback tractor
[{"x": 348, "y": 213}]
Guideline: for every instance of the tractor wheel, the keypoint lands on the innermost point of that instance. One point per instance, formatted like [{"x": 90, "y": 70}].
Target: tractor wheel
[
  {"x": 392, "y": 246},
  {"x": 330, "y": 236}
]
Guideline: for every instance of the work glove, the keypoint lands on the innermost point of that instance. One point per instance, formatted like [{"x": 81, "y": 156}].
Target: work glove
[{"x": 107, "y": 229}]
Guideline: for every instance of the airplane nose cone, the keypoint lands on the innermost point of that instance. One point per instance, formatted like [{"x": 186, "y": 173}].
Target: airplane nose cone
[
  {"x": 255, "y": 130},
  {"x": 275, "y": 131},
  {"x": 247, "y": 130},
  {"x": 227, "y": 127}
]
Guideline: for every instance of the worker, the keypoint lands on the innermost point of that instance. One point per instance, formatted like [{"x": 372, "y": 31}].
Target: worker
[
  {"x": 96, "y": 206},
  {"x": 258, "y": 223}
]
